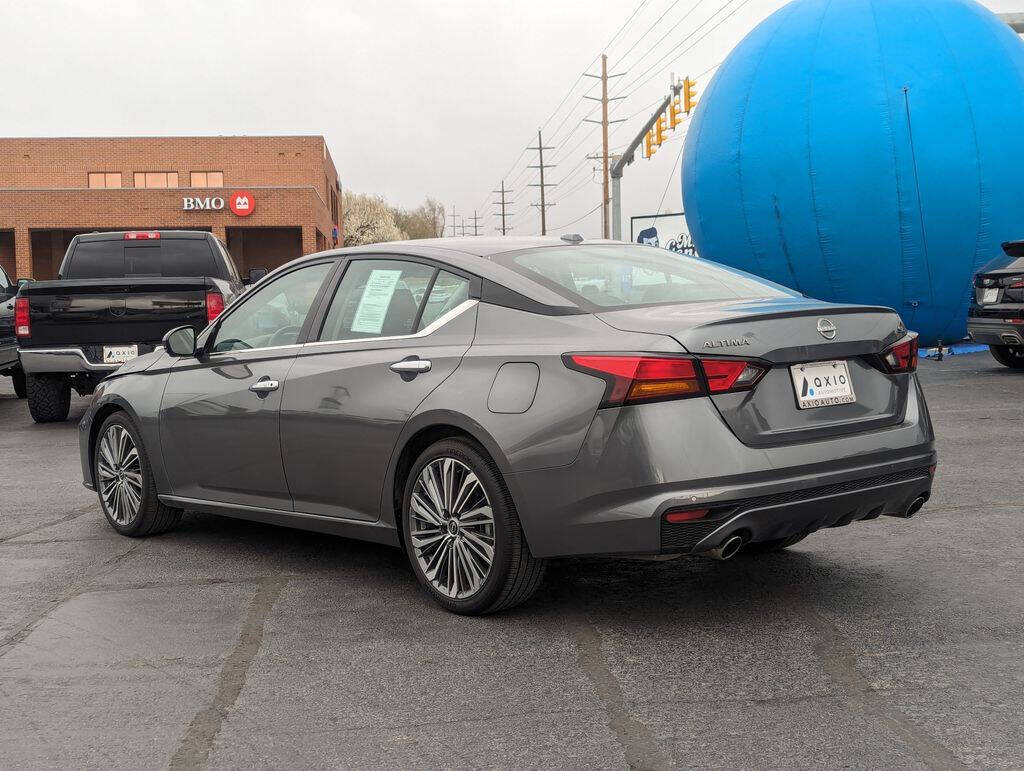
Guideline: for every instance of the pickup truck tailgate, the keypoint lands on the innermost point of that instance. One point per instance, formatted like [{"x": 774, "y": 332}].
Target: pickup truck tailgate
[{"x": 105, "y": 311}]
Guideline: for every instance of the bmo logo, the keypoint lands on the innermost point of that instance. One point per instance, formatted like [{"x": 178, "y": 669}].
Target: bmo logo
[{"x": 241, "y": 202}]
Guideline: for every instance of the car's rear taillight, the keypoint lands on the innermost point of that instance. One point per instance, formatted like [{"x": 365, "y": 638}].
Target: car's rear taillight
[
  {"x": 214, "y": 305},
  {"x": 902, "y": 357},
  {"x": 675, "y": 516},
  {"x": 726, "y": 375},
  {"x": 142, "y": 235},
  {"x": 637, "y": 379},
  {"x": 634, "y": 379},
  {"x": 21, "y": 322}
]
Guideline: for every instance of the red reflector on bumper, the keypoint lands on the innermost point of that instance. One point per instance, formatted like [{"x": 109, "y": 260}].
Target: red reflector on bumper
[{"x": 676, "y": 517}]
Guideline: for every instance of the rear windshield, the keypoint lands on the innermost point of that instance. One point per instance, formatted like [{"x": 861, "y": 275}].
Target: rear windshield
[
  {"x": 616, "y": 276},
  {"x": 171, "y": 258}
]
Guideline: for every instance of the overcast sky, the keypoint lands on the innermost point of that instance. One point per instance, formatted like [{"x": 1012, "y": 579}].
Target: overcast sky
[{"x": 416, "y": 98}]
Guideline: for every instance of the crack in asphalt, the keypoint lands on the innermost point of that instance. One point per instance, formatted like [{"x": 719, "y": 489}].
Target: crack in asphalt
[
  {"x": 840, "y": 662},
  {"x": 638, "y": 744},
  {"x": 194, "y": 749},
  {"x": 75, "y": 514},
  {"x": 82, "y": 586}
]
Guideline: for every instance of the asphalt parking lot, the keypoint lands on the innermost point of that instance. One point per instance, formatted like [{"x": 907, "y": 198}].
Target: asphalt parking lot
[{"x": 230, "y": 644}]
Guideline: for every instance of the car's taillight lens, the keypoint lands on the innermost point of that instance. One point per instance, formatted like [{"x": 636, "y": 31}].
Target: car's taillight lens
[
  {"x": 726, "y": 375},
  {"x": 214, "y": 305},
  {"x": 21, "y": 323},
  {"x": 902, "y": 357},
  {"x": 635, "y": 379}
]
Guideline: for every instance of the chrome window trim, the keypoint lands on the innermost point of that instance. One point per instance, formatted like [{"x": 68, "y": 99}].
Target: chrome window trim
[
  {"x": 435, "y": 325},
  {"x": 237, "y": 351}
]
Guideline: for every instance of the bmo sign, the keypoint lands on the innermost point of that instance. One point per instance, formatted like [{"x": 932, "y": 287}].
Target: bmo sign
[{"x": 241, "y": 202}]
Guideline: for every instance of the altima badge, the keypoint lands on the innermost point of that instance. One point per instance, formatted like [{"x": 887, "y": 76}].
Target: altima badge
[
  {"x": 827, "y": 329},
  {"x": 726, "y": 343}
]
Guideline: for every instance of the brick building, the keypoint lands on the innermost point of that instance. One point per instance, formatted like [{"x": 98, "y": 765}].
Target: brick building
[{"x": 270, "y": 199}]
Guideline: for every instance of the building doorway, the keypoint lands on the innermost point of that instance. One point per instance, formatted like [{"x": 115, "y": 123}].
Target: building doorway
[{"x": 263, "y": 247}]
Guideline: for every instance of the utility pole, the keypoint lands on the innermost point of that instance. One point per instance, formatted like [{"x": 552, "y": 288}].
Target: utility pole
[
  {"x": 504, "y": 228},
  {"x": 540, "y": 148},
  {"x": 454, "y": 224},
  {"x": 604, "y": 136},
  {"x": 627, "y": 158},
  {"x": 475, "y": 219}
]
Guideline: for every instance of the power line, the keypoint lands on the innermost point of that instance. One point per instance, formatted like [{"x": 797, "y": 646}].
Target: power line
[
  {"x": 671, "y": 173},
  {"x": 567, "y": 224}
]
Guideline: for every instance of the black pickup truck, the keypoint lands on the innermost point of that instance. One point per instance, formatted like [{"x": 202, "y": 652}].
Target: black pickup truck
[
  {"x": 115, "y": 297},
  {"x": 8, "y": 342}
]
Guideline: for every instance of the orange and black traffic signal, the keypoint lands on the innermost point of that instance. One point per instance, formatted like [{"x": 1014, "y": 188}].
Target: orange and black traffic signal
[
  {"x": 673, "y": 113},
  {"x": 689, "y": 95},
  {"x": 659, "y": 130}
]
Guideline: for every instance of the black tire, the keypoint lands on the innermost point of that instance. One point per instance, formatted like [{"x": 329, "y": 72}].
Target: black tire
[
  {"x": 777, "y": 544},
  {"x": 18, "y": 378},
  {"x": 49, "y": 397},
  {"x": 515, "y": 574},
  {"x": 1011, "y": 356},
  {"x": 153, "y": 517}
]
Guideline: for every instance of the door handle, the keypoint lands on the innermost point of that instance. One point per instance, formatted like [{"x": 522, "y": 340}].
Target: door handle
[
  {"x": 411, "y": 366},
  {"x": 264, "y": 386}
]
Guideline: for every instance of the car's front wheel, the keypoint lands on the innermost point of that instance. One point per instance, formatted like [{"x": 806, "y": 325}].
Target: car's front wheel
[
  {"x": 462, "y": 532},
  {"x": 124, "y": 481},
  {"x": 1011, "y": 356}
]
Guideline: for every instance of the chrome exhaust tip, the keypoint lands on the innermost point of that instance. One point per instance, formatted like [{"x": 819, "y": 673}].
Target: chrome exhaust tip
[
  {"x": 914, "y": 507},
  {"x": 727, "y": 550}
]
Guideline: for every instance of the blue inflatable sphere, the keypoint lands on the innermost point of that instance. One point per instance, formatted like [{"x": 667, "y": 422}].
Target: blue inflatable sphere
[{"x": 864, "y": 151}]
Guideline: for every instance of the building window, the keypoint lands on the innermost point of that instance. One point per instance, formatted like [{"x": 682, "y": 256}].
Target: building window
[
  {"x": 156, "y": 179},
  {"x": 102, "y": 179},
  {"x": 207, "y": 179}
]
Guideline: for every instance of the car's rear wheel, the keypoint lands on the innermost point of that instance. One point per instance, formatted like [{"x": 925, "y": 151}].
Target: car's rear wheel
[
  {"x": 18, "y": 379},
  {"x": 124, "y": 481},
  {"x": 49, "y": 398},
  {"x": 776, "y": 544},
  {"x": 1011, "y": 356},
  {"x": 462, "y": 533}
]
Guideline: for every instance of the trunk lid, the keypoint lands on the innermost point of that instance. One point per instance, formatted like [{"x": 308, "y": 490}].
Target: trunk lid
[
  {"x": 781, "y": 333},
  {"x": 108, "y": 311}
]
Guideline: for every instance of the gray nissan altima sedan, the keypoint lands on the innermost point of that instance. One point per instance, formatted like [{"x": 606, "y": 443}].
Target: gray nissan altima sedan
[{"x": 487, "y": 404}]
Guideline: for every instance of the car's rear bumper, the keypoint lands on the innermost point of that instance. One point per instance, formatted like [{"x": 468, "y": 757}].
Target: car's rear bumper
[
  {"x": 36, "y": 361},
  {"x": 992, "y": 331},
  {"x": 638, "y": 463}
]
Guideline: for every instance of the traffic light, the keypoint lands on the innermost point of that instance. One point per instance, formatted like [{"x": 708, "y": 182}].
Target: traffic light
[
  {"x": 689, "y": 95},
  {"x": 659, "y": 130},
  {"x": 650, "y": 148},
  {"x": 673, "y": 113}
]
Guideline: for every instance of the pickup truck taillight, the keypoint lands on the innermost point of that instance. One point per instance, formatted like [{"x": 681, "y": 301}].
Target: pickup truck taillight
[
  {"x": 21, "y": 324},
  {"x": 214, "y": 305}
]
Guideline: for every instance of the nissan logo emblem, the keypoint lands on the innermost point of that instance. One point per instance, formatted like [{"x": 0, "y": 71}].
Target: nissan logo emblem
[{"x": 827, "y": 329}]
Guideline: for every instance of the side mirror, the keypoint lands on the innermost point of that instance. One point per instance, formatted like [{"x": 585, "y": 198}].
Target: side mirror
[
  {"x": 180, "y": 342},
  {"x": 255, "y": 274}
]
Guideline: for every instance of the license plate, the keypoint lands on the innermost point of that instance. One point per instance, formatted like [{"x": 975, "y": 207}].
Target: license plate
[
  {"x": 119, "y": 354},
  {"x": 822, "y": 384},
  {"x": 990, "y": 295}
]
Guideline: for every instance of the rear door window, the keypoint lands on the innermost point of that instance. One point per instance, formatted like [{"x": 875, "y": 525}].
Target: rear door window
[{"x": 377, "y": 298}]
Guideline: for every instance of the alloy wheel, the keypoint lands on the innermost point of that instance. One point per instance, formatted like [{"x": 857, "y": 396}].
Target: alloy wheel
[
  {"x": 451, "y": 526},
  {"x": 119, "y": 472}
]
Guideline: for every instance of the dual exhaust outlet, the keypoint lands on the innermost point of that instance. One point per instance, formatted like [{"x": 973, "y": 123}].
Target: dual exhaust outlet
[{"x": 731, "y": 545}]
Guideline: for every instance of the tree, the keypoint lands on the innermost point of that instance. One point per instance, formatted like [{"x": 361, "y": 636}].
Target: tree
[
  {"x": 425, "y": 221},
  {"x": 368, "y": 220}
]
